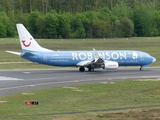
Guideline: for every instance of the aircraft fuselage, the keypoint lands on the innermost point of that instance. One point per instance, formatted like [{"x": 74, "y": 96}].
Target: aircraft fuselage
[{"x": 71, "y": 58}]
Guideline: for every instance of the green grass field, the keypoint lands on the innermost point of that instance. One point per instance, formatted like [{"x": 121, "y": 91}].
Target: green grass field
[
  {"x": 150, "y": 45},
  {"x": 83, "y": 102}
]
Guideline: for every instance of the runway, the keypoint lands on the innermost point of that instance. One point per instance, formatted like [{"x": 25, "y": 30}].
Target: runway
[{"x": 18, "y": 81}]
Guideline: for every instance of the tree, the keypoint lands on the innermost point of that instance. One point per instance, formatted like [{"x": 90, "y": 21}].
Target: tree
[
  {"x": 90, "y": 19},
  {"x": 51, "y": 22},
  {"x": 8, "y": 9},
  {"x": 40, "y": 25},
  {"x": 101, "y": 28},
  {"x": 45, "y": 7},
  {"x": 22, "y": 18},
  {"x": 9, "y": 25},
  {"x": 10, "y": 29},
  {"x": 2, "y": 30},
  {"x": 124, "y": 27},
  {"x": 157, "y": 23},
  {"x": 108, "y": 14},
  {"x": 122, "y": 10},
  {"x": 78, "y": 27},
  {"x": 144, "y": 19},
  {"x": 64, "y": 27},
  {"x": 31, "y": 22}
]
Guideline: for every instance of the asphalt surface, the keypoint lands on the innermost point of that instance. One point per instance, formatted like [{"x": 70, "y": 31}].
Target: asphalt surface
[{"x": 17, "y": 81}]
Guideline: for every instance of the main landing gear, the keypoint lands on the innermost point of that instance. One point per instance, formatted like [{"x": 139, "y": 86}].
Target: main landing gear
[
  {"x": 90, "y": 69},
  {"x": 81, "y": 69}
]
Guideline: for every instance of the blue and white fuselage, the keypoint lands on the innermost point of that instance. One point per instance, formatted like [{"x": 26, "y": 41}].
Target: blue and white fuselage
[
  {"x": 106, "y": 59},
  {"x": 71, "y": 58}
]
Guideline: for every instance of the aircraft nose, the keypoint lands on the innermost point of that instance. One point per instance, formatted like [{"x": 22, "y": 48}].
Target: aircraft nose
[{"x": 153, "y": 59}]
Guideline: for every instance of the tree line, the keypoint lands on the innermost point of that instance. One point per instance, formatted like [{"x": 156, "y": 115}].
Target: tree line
[{"x": 81, "y": 18}]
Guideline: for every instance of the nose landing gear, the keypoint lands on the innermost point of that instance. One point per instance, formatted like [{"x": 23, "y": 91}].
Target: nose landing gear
[{"x": 141, "y": 68}]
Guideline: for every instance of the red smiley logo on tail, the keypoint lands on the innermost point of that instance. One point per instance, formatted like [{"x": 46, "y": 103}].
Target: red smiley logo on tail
[{"x": 26, "y": 45}]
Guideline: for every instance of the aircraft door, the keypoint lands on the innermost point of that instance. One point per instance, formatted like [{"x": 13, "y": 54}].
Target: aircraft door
[
  {"x": 141, "y": 57},
  {"x": 45, "y": 57}
]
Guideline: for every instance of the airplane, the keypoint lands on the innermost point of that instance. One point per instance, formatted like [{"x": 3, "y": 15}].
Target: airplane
[{"x": 105, "y": 59}]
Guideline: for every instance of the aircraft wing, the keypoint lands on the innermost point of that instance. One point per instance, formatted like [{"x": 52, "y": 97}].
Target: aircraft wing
[
  {"x": 85, "y": 63},
  {"x": 97, "y": 61}
]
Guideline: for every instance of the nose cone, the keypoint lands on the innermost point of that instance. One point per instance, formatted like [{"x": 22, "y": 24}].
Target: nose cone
[{"x": 153, "y": 59}]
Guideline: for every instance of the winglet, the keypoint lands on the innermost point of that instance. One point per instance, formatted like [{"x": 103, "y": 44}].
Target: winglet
[{"x": 96, "y": 55}]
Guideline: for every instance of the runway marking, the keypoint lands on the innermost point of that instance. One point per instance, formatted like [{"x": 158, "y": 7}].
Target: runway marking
[
  {"x": 31, "y": 85},
  {"x": 40, "y": 84},
  {"x": 49, "y": 83},
  {"x": 54, "y": 78},
  {"x": 4, "y": 78},
  {"x": 26, "y": 72},
  {"x": 150, "y": 76}
]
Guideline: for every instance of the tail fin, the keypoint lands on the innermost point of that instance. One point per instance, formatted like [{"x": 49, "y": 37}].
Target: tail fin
[{"x": 27, "y": 42}]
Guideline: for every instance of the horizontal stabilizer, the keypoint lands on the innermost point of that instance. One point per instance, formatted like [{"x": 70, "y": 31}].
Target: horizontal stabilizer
[{"x": 16, "y": 53}]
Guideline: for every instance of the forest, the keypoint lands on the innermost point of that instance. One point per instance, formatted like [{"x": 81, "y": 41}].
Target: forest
[{"x": 81, "y": 18}]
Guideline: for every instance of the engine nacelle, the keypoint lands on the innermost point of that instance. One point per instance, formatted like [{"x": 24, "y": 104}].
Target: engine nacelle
[{"x": 110, "y": 65}]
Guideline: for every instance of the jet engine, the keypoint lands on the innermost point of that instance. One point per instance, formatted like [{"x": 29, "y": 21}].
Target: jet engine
[{"x": 110, "y": 65}]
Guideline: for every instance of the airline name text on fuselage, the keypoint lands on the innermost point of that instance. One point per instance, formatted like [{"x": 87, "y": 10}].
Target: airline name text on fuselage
[{"x": 103, "y": 55}]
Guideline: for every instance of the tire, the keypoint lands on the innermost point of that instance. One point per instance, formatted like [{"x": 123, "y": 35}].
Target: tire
[{"x": 81, "y": 69}]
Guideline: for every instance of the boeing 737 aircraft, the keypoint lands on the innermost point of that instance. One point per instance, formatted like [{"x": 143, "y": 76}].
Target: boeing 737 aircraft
[{"x": 106, "y": 59}]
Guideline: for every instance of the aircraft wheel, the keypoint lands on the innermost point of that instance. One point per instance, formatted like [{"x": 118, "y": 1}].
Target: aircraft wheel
[
  {"x": 141, "y": 69},
  {"x": 90, "y": 69},
  {"x": 81, "y": 69}
]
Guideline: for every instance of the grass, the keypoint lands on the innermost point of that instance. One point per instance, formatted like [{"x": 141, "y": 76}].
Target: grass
[
  {"x": 149, "y": 45},
  {"x": 90, "y": 102}
]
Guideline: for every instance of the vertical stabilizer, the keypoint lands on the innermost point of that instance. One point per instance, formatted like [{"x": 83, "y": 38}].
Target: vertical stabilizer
[{"x": 27, "y": 42}]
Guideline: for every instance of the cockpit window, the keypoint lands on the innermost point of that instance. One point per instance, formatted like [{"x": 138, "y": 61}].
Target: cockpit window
[{"x": 147, "y": 55}]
